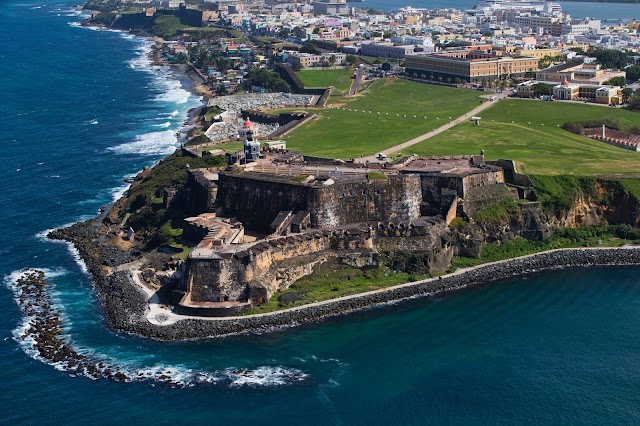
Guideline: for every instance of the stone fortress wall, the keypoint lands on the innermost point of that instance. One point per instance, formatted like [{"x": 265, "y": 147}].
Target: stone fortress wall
[
  {"x": 352, "y": 219},
  {"x": 257, "y": 199},
  {"x": 255, "y": 271}
]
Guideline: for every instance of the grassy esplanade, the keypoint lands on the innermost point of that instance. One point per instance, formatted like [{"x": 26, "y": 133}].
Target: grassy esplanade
[
  {"x": 530, "y": 132},
  {"x": 340, "y": 79},
  {"x": 388, "y": 112}
]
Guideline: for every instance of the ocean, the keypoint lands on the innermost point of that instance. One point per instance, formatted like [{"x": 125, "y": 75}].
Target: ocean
[
  {"x": 83, "y": 109},
  {"x": 577, "y": 9}
]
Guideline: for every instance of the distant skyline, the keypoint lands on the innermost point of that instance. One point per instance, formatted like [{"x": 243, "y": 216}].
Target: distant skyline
[{"x": 626, "y": 11}]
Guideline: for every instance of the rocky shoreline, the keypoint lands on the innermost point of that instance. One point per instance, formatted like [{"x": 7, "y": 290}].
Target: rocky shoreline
[{"x": 125, "y": 304}]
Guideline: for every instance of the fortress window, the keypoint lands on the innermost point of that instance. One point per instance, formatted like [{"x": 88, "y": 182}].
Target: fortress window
[{"x": 379, "y": 191}]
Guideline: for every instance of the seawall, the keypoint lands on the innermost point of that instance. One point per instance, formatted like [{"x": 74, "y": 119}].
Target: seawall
[{"x": 126, "y": 305}]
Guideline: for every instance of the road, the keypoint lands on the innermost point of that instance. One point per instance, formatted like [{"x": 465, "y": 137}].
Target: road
[
  {"x": 437, "y": 131},
  {"x": 355, "y": 84}
]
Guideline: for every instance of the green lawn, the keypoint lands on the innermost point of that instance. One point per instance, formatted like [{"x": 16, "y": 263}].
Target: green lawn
[
  {"x": 340, "y": 79},
  {"x": 541, "y": 147},
  {"x": 377, "y": 118},
  {"x": 331, "y": 285}
]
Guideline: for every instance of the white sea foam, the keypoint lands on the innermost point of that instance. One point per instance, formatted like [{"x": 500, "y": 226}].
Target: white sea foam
[
  {"x": 154, "y": 143},
  {"x": 172, "y": 375},
  {"x": 264, "y": 376},
  {"x": 42, "y": 235},
  {"x": 172, "y": 91},
  {"x": 117, "y": 193},
  {"x": 164, "y": 125}
]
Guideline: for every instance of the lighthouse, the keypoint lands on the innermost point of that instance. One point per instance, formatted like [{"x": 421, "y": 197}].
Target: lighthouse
[{"x": 251, "y": 148}]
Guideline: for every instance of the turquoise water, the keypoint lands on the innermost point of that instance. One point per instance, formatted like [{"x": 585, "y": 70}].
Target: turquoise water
[{"x": 81, "y": 110}]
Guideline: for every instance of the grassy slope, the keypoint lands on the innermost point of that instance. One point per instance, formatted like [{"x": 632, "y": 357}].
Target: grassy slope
[
  {"x": 340, "y": 79},
  {"x": 347, "y": 134},
  {"x": 541, "y": 147},
  {"x": 336, "y": 284}
]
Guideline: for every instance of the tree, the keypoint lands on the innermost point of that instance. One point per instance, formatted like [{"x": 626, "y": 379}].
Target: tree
[
  {"x": 299, "y": 32},
  {"x": 386, "y": 67},
  {"x": 627, "y": 93},
  {"x": 633, "y": 73},
  {"x": 610, "y": 58},
  {"x": 353, "y": 60},
  {"x": 616, "y": 81},
  {"x": 634, "y": 103},
  {"x": 296, "y": 67},
  {"x": 485, "y": 82},
  {"x": 267, "y": 79},
  {"x": 541, "y": 89},
  {"x": 457, "y": 80},
  {"x": 309, "y": 48},
  {"x": 332, "y": 60},
  {"x": 503, "y": 85}
]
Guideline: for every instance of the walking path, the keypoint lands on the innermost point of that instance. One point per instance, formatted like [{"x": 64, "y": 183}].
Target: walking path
[
  {"x": 434, "y": 132},
  {"x": 160, "y": 315}
]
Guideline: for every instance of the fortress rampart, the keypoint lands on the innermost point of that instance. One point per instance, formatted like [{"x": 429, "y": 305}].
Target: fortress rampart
[
  {"x": 202, "y": 191},
  {"x": 253, "y": 272},
  {"x": 344, "y": 215},
  {"x": 256, "y": 199}
]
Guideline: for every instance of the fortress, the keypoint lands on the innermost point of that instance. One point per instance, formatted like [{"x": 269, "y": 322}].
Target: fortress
[{"x": 260, "y": 228}]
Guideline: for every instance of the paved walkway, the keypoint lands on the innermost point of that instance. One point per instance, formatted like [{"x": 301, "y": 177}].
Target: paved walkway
[
  {"x": 159, "y": 315},
  {"x": 432, "y": 133}
]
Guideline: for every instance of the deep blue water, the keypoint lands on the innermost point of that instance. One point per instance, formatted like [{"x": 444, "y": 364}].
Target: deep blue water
[
  {"x": 81, "y": 110},
  {"x": 577, "y": 9}
]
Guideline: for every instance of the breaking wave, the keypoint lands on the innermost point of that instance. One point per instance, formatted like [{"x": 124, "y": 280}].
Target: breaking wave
[{"x": 154, "y": 143}]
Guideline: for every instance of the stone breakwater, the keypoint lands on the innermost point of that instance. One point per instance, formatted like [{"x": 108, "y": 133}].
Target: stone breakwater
[
  {"x": 44, "y": 332},
  {"x": 125, "y": 304}
]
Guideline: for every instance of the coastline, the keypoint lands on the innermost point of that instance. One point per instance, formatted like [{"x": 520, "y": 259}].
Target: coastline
[{"x": 126, "y": 305}]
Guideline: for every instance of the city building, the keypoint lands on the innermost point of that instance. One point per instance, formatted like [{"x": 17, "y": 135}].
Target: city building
[
  {"x": 330, "y": 7},
  {"x": 577, "y": 72},
  {"x": 387, "y": 50},
  {"x": 308, "y": 60},
  {"x": 470, "y": 65}
]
